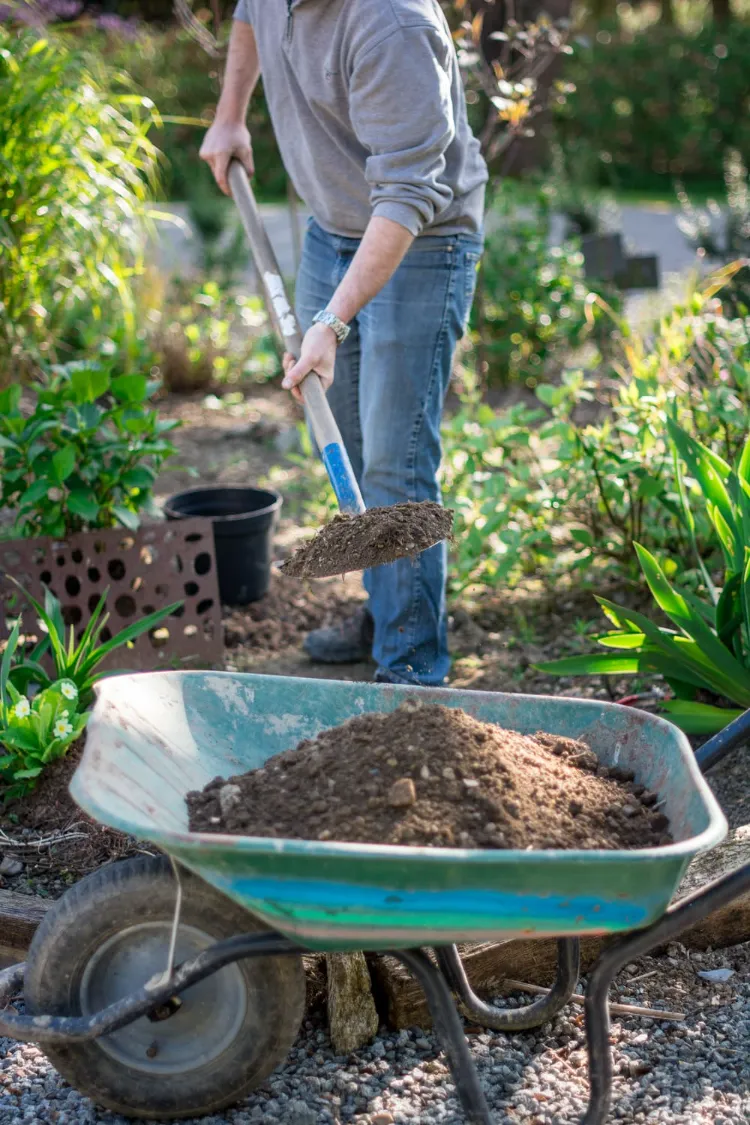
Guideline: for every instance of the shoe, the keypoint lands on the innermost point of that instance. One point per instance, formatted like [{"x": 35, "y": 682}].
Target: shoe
[{"x": 346, "y": 643}]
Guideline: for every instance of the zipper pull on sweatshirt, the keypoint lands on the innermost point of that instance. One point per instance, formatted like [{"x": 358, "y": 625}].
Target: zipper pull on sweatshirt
[{"x": 289, "y": 20}]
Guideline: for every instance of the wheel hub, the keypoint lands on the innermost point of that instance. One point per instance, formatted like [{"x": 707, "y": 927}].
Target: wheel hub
[{"x": 192, "y": 1032}]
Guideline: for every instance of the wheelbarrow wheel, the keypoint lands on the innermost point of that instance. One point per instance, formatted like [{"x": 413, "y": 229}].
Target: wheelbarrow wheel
[{"x": 110, "y": 934}]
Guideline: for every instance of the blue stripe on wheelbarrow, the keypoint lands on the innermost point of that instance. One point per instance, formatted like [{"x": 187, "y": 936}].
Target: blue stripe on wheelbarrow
[{"x": 379, "y": 907}]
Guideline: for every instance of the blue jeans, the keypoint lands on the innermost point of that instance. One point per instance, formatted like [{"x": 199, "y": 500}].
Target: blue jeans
[{"x": 392, "y": 375}]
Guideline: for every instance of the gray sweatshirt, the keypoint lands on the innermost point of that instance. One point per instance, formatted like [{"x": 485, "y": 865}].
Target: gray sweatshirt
[{"x": 369, "y": 112}]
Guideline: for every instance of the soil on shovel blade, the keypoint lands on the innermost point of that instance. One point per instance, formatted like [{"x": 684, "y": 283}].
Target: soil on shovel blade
[
  {"x": 377, "y": 536},
  {"x": 434, "y": 776}
]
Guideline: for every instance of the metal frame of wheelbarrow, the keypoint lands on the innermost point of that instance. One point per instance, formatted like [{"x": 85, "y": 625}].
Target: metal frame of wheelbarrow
[{"x": 442, "y": 977}]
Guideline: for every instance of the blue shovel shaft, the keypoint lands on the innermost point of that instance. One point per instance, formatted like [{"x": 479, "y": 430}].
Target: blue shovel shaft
[{"x": 327, "y": 434}]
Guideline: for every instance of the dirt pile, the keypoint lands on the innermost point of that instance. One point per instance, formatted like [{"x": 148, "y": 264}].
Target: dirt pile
[
  {"x": 379, "y": 535},
  {"x": 435, "y": 776}
]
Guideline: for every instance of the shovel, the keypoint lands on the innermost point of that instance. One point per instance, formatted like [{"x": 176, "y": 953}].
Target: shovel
[{"x": 359, "y": 537}]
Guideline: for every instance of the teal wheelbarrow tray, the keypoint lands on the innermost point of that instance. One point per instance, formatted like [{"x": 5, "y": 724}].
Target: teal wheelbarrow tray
[{"x": 171, "y": 985}]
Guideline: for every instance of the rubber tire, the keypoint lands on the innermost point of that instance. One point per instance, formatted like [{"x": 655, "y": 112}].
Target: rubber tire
[{"x": 144, "y": 889}]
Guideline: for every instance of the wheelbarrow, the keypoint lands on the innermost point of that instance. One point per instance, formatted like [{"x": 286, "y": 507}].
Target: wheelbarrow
[{"x": 172, "y": 986}]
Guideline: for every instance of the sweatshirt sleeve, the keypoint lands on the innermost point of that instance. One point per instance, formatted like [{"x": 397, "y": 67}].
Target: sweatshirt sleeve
[
  {"x": 401, "y": 111},
  {"x": 242, "y": 12}
]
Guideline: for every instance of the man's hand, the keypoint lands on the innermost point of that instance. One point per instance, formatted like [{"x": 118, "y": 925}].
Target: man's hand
[
  {"x": 318, "y": 355},
  {"x": 222, "y": 144}
]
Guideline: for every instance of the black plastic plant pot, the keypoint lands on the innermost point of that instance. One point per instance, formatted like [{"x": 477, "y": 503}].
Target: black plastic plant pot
[{"x": 244, "y": 520}]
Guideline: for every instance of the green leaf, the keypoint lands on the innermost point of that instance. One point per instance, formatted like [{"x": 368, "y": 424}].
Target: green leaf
[
  {"x": 28, "y": 773},
  {"x": 139, "y": 477},
  {"x": 34, "y": 493},
  {"x": 683, "y": 655},
  {"x": 64, "y": 462},
  {"x": 82, "y": 502},
  {"x": 131, "y": 389},
  {"x": 694, "y": 626},
  {"x": 10, "y": 399},
  {"x": 699, "y": 718},
  {"x": 592, "y": 664},
  {"x": 127, "y": 518},
  {"x": 89, "y": 383},
  {"x": 19, "y": 738},
  {"x": 131, "y": 633},
  {"x": 582, "y": 535},
  {"x": 621, "y": 640},
  {"x": 8, "y": 654}
]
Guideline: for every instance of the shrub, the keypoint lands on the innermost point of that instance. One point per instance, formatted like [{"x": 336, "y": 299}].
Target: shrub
[
  {"x": 205, "y": 335},
  {"x": 173, "y": 69},
  {"x": 707, "y": 651},
  {"x": 572, "y": 487},
  {"x": 675, "y": 120},
  {"x": 86, "y": 454},
  {"x": 77, "y": 174},
  {"x": 533, "y": 300}
]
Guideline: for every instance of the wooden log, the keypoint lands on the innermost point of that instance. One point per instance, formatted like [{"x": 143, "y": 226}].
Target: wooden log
[
  {"x": 19, "y": 917},
  {"x": 489, "y": 965},
  {"x": 352, "y": 1015}
]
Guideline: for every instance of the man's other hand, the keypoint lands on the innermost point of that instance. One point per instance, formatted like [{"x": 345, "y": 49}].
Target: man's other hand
[
  {"x": 318, "y": 355},
  {"x": 222, "y": 144}
]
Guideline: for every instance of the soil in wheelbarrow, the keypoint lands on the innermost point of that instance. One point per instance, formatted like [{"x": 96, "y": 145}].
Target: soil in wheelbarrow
[
  {"x": 435, "y": 776},
  {"x": 379, "y": 535}
]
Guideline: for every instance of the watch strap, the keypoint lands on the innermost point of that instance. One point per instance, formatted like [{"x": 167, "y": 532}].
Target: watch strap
[{"x": 340, "y": 329}]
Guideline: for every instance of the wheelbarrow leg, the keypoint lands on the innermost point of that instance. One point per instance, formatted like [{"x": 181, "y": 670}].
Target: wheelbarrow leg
[
  {"x": 514, "y": 1019},
  {"x": 680, "y": 917},
  {"x": 450, "y": 1033}
]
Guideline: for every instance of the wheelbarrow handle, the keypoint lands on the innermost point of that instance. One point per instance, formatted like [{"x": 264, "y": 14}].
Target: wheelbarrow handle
[
  {"x": 735, "y": 733},
  {"x": 327, "y": 434}
]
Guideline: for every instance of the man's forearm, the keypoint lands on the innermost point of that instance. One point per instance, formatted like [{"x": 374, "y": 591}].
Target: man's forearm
[
  {"x": 380, "y": 253},
  {"x": 240, "y": 75}
]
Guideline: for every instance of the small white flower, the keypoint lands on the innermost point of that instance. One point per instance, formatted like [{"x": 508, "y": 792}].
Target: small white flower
[
  {"x": 69, "y": 690},
  {"x": 62, "y": 728},
  {"x": 22, "y": 708}
]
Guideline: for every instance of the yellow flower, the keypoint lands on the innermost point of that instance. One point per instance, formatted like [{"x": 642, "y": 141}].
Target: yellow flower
[{"x": 22, "y": 708}]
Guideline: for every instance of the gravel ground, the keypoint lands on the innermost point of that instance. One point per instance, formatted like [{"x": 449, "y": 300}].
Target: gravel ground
[{"x": 668, "y": 1073}]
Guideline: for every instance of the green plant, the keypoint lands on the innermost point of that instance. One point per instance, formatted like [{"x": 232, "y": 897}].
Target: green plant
[
  {"x": 77, "y": 660},
  {"x": 676, "y": 121},
  {"x": 77, "y": 175},
  {"x": 206, "y": 334},
  {"x": 707, "y": 651},
  {"x": 33, "y": 731},
  {"x": 86, "y": 453},
  {"x": 571, "y": 486},
  {"x": 533, "y": 300}
]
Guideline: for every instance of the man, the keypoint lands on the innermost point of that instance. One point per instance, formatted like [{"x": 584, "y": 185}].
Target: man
[{"x": 366, "y": 101}]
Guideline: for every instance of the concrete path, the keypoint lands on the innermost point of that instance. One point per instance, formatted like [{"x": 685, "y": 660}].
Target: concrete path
[{"x": 646, "y": 229}]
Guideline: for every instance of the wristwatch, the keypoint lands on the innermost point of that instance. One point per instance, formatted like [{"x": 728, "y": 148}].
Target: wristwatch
[{"x": 340, "y": 329}]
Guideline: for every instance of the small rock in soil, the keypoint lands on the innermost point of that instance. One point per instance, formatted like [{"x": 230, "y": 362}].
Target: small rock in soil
[
  {"x": 435, "y": 776},
  {"x": 10, "y": 866}
]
